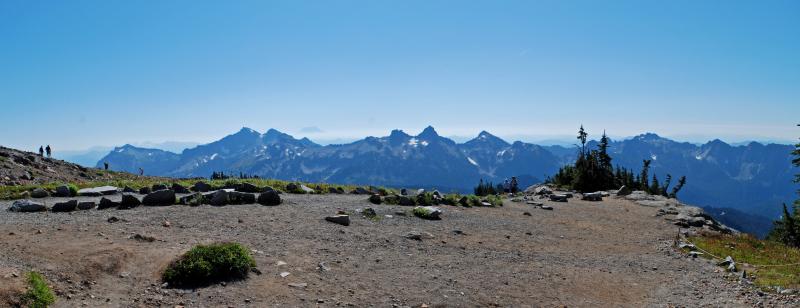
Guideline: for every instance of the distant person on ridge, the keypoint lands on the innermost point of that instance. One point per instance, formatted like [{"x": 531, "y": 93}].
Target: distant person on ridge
[
  {"x": 105, "y": 164},
  {"x": 49, "y": 151},
  {"x": 41, "y": 151},
  {"x": 506, "y": 186},
  {"x": 514, "y": 185},
  {"x": 141, "y": 171}
]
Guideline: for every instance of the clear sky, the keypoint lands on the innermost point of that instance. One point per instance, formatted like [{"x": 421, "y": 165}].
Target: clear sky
[{"x": 77, "y": 74}]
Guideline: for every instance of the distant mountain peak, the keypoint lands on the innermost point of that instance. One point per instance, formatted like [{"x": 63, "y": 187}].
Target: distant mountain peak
[
  {"x": 428, "y": 132},
  {"x": 397, "y": 133},
  {"x": 647, "y": 136},
  {"x": 247, "y": 130}
]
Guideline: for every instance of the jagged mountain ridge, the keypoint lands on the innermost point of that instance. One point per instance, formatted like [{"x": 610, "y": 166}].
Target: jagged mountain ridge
[{"x": 752, "y": 178}]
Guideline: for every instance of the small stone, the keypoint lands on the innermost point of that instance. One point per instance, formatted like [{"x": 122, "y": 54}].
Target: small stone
[
  {"x": 300, "y": 285},
  {"x": 280, "y": 263},
  {"x": 284, "y": 274}
]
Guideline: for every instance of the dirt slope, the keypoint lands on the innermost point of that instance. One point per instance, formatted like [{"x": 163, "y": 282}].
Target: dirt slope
[{"x": 611, "y": 253}]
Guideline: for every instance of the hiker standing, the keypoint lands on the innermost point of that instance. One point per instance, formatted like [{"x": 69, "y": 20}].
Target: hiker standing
[
  {"x": 141, "y": 171},
  {"x": 506, "y": 186},
  {"x": 105, "y": 164},
  {"x": 49, "y": 151},
  {"x": 41, "y": 151},
  {"x": 514, "y": 185}
]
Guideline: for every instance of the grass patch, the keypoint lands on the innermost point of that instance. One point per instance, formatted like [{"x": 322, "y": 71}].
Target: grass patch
[
  {"x": 39, "y": 294},
  {"x": 747, "y": 250},
  {"x": 208, "y": 264},
  {"x": 422, "y": 212}
]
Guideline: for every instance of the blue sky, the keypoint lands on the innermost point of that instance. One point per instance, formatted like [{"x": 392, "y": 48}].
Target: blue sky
[{"x": 77, "y": 74}]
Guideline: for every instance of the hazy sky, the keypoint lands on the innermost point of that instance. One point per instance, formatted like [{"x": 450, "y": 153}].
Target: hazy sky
[{"x": 77, "y": 74}]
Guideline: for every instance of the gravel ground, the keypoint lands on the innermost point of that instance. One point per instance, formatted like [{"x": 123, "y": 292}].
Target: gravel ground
[{"x": 588, "y": 254}]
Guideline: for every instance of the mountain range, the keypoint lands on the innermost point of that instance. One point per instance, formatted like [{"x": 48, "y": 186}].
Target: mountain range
[{"x": 743, "y": 186}]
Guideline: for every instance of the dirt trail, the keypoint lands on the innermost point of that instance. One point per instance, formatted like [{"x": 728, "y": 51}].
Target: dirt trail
[{"x": 588, "y": 254}]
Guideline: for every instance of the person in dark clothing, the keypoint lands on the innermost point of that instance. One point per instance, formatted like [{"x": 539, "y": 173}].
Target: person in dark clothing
[
  {"x": 105, "y": 164},
  {"x": 514, "y": 185},
  {"x": 141, "y": 171},
  {"x": 41, "y": 151},
  {"x": 49, "y": 151}
]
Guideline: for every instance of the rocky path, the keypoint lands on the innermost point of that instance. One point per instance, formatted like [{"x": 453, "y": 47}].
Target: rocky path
[{"x": 585, "y": 254}]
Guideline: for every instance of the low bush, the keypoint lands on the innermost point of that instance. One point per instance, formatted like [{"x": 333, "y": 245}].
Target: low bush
[
  {"x": 421, "y": 212},
  {"x": 425, "y": 199},
  {"x": 208, "y": 264},
  {"x": 494, "y": 200},
  {"x": 39, "y": 294},
  {"x": 451, "y": 199}
]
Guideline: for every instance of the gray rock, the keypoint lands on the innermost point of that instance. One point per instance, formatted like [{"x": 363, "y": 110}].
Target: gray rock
[
  {"x": 406, "y": 201},
  {"x": 269, "y": 198},
  {"x": 375, "y": 199},
  {"x": 39, "y": 193},
  {"x": 219, "y": 198},
  {"x": 194, "y": 199},
  {"x": 68, "y": 206},
  {"x": 236, "y": 197},
  {"x": 418, "y": 236},
  {"x": 27, "y": 206},
  {"x": 595, "y": 196},
  {"x": 247, "y": 188},
  {"x": 98, "y": 191},
  {"x": 343, "y": 220},
  {"x": 201, "y": 187},
  {"x": 106, "y": 204},
  {"x": 178, "y": 188},
  {"x": 624, "y": 191},
  {"x": 546, "y": 207},
  {"x": 306, "y": 189},
  {"x": 159, "y": 197},
  {"x": 86, "y": 205},
  {"x": 157, "y": 187},
  {"x": 129, "y": 202},
  {"x": 128, "y": 189},
  {"x": 558, "y": 198},
  {"x": 63, "y": 191},
  {"x": 144, "y": 190},
  {"x": 361, "y": 191}
]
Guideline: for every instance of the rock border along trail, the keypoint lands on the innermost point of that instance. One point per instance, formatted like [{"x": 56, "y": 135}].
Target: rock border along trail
[{"x": 581, "y": 253}]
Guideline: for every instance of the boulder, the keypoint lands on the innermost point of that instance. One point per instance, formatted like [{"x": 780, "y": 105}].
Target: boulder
[
  {"x": 68, "y": 206},
  {"x": 106, "y": 204},
  {"x": 219, "y": 198},
  {"x": 375, "y": 199},
  {"x": 98, "y": 191},
  {"x": 144, "y": 190},
  {"x": 595, "y": 196},
  {"x": 180, "y": 189},
  {"x": 157, "y": 187},
  {"x": 159, "y": 197},
  {"x": 546, "y": 207},
  {"x": 128, "y": 189},
  {"x": 86, "y": 205},
  {"x": 404, "y": 192},
  {"x": 406, "y": 201},
  {"x": 306, "y": 189},
  {"x": 292, "y": 188},
  {"x": 269, "y": 198},
  {"x": 201, "y": 187},
  {"x": 360, "y": 191},
  {"x": 624, "y": 191},
  {"x": 247, "y": 188},
  {"x": 369, "y": 213},
  {"x": 558, "y": 198},
  {"x": 236, "y": 197},
  {"x": 27, "y": 206},
  {"x": 63, "y": 191},
  {"x": 129, "y": 202},
  {"x": 343, "y": 220},
  {"x": 333, "y": 190},
  {"x": 39, "y": 193},
  {"x": 542, "y": 190},
  {"x": 194, "y": 199}
]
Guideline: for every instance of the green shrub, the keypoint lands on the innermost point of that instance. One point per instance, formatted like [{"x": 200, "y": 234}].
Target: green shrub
[
  {"x": 421, "y": 212},
  {"x": 495, "y": 200},
  {"x": 392, "y": 199},
  {"x": 451, "y": 199},
  {"x": 73, "y": 190},
  {"x": 425, "y": 199},
  {"x": 207, "y": 264},
  {"x": 39, "y": 294}
]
